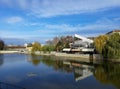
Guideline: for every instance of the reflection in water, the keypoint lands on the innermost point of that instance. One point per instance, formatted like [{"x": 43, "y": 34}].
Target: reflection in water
[
  {"x": 1, "y": 59},
  {"x": 31, "y": 74},
  {"x": 108, "y": 73},
  {"x": 49, "y": 72},
  {"x": 80, "y": 71},
  {"x": 35, "y": 59}
]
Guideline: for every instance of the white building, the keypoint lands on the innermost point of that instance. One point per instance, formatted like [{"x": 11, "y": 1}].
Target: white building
[{"x": 80, "y": 44}]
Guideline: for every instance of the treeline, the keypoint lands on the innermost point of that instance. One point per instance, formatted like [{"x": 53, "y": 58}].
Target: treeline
[
  {"x": 2, "y": 44},
  {"x": 57, "y": 44},
  {"x": 108, "y": 45}
]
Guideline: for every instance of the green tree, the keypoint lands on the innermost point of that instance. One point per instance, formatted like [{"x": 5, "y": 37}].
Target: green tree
[
  {"x": 48, "y": 48},
  {"x": 112, "y": 47},
  {"x": 36, "y": 47},
  {"x": 2, "y": 45},
  {"x": 100, "y": 43}
]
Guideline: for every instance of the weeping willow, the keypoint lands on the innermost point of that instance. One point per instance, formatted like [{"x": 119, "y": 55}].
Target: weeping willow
[
  {"x": 112, "y": 47},
  {"x": 100, "y": 43}
]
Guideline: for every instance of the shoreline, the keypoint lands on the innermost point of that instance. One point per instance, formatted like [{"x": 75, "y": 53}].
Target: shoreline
[
  {"x": 82, "y": 57},
  {"x": 71, "y": 56},
  {"x": 57, "y": 54}
]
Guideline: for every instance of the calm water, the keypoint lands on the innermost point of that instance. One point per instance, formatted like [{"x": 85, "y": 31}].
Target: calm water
[{"x": 41, "y": 72}]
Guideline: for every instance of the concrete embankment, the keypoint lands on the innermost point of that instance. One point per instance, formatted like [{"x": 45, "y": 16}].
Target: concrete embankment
[
  {"x": 58, "y": 54},
  {"x": 8, "y": 52},
  {"x": 70, "y": 56},
  {"x": 85, "y": 56}
]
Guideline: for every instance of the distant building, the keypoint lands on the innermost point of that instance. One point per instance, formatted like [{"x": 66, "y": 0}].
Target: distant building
[{"x": 114, "y": 31}]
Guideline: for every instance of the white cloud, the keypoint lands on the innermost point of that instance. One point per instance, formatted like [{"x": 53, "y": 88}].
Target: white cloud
[
  {"x": 99, "y": 27},
  {"x": 48, "y": 8},
  {"x": 68, "y": 7},
  {"x": 48, "y": 31},
  {"x": 15, "y": 19}
]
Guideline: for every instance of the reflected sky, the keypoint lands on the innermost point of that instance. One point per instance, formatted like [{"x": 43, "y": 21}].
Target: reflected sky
[{"x": 47, "y": 72}]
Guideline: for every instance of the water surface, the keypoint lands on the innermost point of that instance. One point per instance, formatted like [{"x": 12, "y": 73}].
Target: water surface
[{"x": 42, "y": 72}]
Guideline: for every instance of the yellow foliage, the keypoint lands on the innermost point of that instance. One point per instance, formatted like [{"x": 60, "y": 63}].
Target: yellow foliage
[{"x": 100, "y": 42}]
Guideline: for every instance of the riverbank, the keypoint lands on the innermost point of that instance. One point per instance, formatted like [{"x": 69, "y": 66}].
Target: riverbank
[{"x": 58, "y": 54}]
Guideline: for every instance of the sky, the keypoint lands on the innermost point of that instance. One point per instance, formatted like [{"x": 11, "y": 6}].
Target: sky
[{"x": 24, "y": 21}]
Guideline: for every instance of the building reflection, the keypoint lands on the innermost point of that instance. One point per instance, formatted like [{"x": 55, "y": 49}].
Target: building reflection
[
  {"x": 80, "y": 70},
  {"x": 105, "y": 73}
]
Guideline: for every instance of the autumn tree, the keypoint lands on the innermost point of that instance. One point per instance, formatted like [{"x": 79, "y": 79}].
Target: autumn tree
[
  {"x": 36, "y": 46},
  {"x": 64, "y": 42},
  {"x": 112, "y": 47},
  {"x": 59, "y": 46},
  {"x": 53, "y": 42},
  {"x": 59, "y": 42},
  {"x": 100, "y": 43}
]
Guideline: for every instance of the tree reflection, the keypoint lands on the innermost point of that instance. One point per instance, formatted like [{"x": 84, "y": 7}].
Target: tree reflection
[
  {"x": 35, "y": 59},
  {"x": 50, "y": 61},
  {"x": 1, "y": 59},
  {"x": 55, "y": 63},
  {"x": 80, "y": 70},
  {"x": 108, "y": 73}
]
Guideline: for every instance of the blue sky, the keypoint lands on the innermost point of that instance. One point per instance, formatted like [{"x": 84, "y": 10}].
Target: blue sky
[{"x": 40, "y": 20}]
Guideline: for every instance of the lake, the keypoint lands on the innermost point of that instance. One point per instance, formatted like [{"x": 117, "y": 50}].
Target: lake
[{"x": 20, "y": 71}]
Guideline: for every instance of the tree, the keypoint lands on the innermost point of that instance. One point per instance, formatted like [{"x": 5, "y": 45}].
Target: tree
[
  {"x": 2, "y": 45},
  {"x": 48, "y": 48},
  {"x": 59, "y": 46},
  {"x": 100, "y": 43},
  {"x": 112, "y": 47},
  {"x": 36, "y": 47},
  {"x": 64, "y": 42},
  {"x": 53, "y": 42}
]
